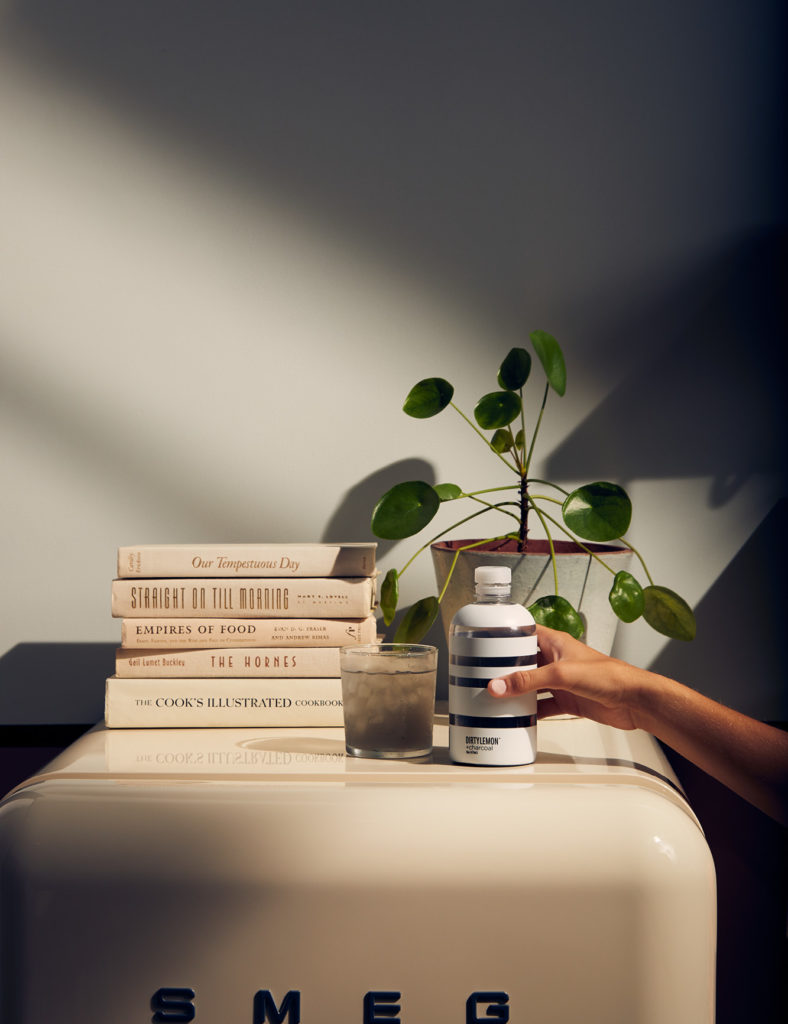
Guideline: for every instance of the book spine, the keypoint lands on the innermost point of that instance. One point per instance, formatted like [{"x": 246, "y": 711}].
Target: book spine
[
  {"x": 250, "y": 662},
  {"x": 241, "y": 560},
  {"x": 193, "y": 633},
  {"x": 249, "y": 598},
  {"x": 227, "y": 703}
]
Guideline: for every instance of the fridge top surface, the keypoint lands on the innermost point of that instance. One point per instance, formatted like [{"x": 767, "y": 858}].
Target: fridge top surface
[{"x": 570, "y": 751}]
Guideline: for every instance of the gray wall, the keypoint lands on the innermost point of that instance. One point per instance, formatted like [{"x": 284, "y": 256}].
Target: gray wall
[{"x": 233, "y": 235}]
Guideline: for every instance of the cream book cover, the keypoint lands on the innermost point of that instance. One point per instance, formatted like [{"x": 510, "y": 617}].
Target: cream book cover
[
  {"x": 253, "y": 598},
  {"x": 273, "y": 559},
  {"x": 216, "y": 703},
  {"x": 276, "y": 632},
  {"x": 218, "y": 662}
]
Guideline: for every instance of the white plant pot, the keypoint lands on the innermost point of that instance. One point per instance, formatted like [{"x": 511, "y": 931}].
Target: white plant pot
[{"x": 582, "y": 580}]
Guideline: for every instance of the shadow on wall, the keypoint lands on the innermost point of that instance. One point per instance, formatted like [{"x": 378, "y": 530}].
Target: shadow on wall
[
  {"x": 351, "y": 518},
  {"x": 712, "y": 403},
  {"x": 338, "y": 110},
  {"x": 418, "y": 127},
  {"x": 39, "y": 406},
  {"x": 736, "y": 658}
]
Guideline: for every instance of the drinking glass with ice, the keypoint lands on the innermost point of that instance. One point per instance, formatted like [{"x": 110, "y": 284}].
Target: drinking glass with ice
[{"x": 388, "y": 699}]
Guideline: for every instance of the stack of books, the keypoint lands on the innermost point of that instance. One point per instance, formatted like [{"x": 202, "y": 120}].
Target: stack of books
[{"x": 237, "y": 634}]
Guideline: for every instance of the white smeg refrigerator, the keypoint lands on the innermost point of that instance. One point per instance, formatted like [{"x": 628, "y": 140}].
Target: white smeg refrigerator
[{"x": 242, "y": 876}]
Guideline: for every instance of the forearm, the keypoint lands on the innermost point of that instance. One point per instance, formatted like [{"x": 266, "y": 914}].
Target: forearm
[{"x": 748, "y": 756}]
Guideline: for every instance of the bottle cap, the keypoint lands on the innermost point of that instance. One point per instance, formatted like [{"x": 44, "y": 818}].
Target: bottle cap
[{"x": 493, "y": 574}]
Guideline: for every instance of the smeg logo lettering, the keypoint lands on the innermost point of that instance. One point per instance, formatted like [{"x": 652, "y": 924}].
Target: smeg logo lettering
[{"x": 179, "y": 1006}]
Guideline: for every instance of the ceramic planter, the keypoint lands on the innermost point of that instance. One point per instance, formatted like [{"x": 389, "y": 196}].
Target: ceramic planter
[{"x": 581, "y": 579}]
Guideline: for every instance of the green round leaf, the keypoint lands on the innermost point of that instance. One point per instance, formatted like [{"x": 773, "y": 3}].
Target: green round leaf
[
  {"x": 448, "y": 492},
  {"x": 598, "y": 512},
  {"x": 502, "y": 441},
  {"x": 552, "y": 359},
  {"x": 428, "y": 398},
  {"x": 626, "y": 597},
  {"x": 389, "y": 595},
  {"x": 557, "y": 613},
  {"x": 515, "y": 369},
  {"x": 417, "y": 620},
  {"x": 404, "y": 510},
  {"x": 519, "y": 440},
  {"x": 497, "y": 409},
  {"x": 668, "y": 613}
]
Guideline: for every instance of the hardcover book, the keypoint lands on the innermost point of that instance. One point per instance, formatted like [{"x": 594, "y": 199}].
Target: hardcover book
[
  {"x": 249, "y": 598},
  {"x": 276, "y": 632},
  {"x": 225, "y": 703},
  {"x": 217, "y": 662},
  {"x": 255, "y": 560}
]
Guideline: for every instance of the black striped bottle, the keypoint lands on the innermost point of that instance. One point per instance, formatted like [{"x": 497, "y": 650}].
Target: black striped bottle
[{"x": 487, "y": 639}]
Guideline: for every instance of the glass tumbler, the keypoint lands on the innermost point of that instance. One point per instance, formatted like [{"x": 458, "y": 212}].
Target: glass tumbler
[{"x": 388, "y": 699}]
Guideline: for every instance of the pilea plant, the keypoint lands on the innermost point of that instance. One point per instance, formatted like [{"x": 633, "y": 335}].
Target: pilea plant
[{"x": 598, "y": 512}]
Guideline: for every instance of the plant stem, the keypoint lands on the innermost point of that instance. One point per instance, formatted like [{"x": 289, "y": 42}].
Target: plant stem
[
  {"x": 547, "y": 483},
  {"x": 438, "y": 536},
  {"x": 553, "y": 559},
  {"x": 632, "y": 548},
  {"x": 544, "y": 497},
  {"x": 499, "y": 506},
  {"x": 635, "y": 551},
  {"x": 521, "y": 462},
  {"x": 518, "y": 458},
  {"x": 466, "y": 547},
  {"x": 481, "y": 435},
  {"x": 536, "y": 428},
  {"x": 486, "y": 490},
  {"x": 580, "y": 544},
  {"x": 522, "y": 539}
]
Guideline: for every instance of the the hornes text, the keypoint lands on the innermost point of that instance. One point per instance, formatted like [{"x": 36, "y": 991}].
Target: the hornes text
[{"x": 177, "y": 1005}]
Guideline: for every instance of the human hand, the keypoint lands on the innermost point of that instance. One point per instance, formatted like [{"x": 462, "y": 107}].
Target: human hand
[
  {"x": 580, "y": 680},
  {"x": 747, "y": 755}
]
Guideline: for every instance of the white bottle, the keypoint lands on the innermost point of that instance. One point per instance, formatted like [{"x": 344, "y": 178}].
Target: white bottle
[{"x": 488, "y": 639}]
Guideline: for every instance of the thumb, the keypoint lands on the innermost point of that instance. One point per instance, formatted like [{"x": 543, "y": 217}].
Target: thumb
[{"x": 517, "y": 683}]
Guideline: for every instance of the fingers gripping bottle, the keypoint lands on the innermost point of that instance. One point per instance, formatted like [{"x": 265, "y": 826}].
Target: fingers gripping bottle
[{"x": 487, "y": 639}]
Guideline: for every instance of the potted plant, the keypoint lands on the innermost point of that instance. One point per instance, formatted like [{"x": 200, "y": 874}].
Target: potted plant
[{"x": 591, "y": 520}]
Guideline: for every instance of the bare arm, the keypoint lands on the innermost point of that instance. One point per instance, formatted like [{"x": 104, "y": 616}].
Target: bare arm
[{"x": 748, "y": 756}]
